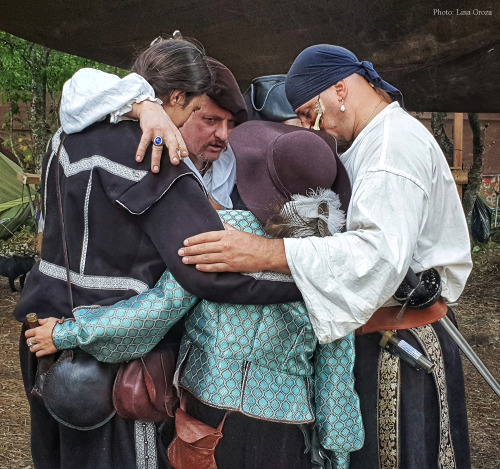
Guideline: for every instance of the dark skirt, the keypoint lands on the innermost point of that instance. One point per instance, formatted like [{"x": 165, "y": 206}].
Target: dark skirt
[
  {"x": 420, "y": 426},
  {"x": 56, "y": 446},
  {"x": 252, "y": 443}
]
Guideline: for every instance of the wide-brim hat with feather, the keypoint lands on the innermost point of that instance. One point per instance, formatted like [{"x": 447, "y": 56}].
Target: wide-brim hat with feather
[{"x": 275, "y": 161}]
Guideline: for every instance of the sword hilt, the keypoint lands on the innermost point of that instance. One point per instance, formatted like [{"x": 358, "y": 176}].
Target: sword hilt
[{"x": 418, "y": 291}]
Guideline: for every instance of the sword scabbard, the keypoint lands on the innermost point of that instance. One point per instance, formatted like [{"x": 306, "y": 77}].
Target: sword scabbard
[{"x": 463, "y": 345}]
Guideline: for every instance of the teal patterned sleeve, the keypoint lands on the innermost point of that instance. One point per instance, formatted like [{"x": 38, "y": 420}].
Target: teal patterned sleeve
[
  {"x": 338, "y": 415},
  {"x": 129, "y": 328}
]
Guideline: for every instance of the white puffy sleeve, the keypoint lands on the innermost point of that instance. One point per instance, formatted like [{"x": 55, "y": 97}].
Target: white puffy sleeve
[
  {"x": 90, "y": 95},
  {"x": 344, "y": 278}
]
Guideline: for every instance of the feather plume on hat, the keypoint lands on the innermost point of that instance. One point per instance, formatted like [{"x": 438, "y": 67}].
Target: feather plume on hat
[{"x": 316, "y": 214}]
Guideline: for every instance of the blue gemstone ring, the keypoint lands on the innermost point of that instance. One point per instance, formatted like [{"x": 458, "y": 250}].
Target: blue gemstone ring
[{"x": 158, "y": 141}]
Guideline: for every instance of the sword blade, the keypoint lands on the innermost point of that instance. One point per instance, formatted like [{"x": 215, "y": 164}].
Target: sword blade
[{"x": 459, "y": 339}]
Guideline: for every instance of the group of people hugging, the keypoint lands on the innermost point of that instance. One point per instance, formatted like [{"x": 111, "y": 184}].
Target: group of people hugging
[{"x": 266, "y": 249}]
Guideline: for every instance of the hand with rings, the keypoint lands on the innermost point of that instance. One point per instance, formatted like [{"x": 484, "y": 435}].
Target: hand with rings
[
  {"x": 157, "y": 127},
  {"x": 39, "y": 339}
]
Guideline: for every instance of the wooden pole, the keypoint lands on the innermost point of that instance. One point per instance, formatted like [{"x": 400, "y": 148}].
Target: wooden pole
[{"x": 458, "y": 144}]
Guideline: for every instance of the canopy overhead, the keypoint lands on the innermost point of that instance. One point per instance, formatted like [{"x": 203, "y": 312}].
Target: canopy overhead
[{"x": 443, "y": 58}]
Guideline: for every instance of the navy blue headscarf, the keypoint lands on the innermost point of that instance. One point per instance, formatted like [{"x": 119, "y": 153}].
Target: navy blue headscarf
[{"x": 319, "y": 67}]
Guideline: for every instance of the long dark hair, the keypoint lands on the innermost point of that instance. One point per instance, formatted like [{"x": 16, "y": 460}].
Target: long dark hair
[{"x": 175, "y": 64}]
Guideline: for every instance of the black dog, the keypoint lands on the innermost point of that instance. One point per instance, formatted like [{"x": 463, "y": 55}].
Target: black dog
[{"x": 14, "y": 267}]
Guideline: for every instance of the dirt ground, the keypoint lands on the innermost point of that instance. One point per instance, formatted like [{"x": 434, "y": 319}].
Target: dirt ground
[{"x": 478, "y": 314}]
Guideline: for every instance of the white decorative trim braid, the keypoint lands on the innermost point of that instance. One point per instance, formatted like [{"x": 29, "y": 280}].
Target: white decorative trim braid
[
  {"x": 145, "y": 445},
  {"x": 86, "y": 226},
  {"x": 56, "y": 140},
  {"x": 93, "y": 281},
  {"x": 268, "y": 275},
  {"x": 97, "y": 161}
]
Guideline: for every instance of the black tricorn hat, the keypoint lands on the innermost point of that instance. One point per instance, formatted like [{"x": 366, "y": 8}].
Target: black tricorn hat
[{"x": 275, "y": 161}]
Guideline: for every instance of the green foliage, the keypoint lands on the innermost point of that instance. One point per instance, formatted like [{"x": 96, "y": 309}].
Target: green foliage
[
  {"x": 63, "y": 66},
  {"x": 33, "y": 75},
  {"x": 16, "y": 67}
]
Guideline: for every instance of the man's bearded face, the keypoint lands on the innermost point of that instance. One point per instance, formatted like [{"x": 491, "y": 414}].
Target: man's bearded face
[
  {"x": 334, "y": 121},
  {"x": 206, "y": 132}
]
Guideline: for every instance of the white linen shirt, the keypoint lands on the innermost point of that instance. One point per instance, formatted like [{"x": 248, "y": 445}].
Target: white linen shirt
[
  {"x": 404, "y": 212},
  {"x": 91, "y": 95}
]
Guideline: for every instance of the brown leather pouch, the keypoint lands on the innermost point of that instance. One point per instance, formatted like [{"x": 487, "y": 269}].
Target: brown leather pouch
[
  {"x": 194, "y": 444},
  {"x": 144, "y": 387}
]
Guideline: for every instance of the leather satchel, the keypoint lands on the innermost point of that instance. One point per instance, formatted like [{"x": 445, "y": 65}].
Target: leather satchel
[
  {"x": 266, "y": 99},
  {"x": 194, "y": 443},
  {"x": 143, "y": 388}
]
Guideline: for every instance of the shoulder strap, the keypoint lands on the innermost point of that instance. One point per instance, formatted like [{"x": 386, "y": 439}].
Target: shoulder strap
[{"x": 61, "y": 220}]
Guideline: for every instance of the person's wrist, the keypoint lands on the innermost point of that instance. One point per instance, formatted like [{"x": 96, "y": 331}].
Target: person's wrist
[
  {"x": 275, "y": 257},
  {"x": 64, "y": 335},
  {"x": 140, "y": 107}
]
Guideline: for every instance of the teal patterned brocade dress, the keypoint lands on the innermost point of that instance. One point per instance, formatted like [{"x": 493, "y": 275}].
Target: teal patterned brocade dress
[{"x": 262, "y": 360}]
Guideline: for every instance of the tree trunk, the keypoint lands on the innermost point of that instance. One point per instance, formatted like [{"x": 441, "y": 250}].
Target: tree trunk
[
  {"x": 438, "y": 122},
  {"x": 12, "y": 146},
  {"x": 38, "y": 113},
  {"x": 476, "y": 171}
]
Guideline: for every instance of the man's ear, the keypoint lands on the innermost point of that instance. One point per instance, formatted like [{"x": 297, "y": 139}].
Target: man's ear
[
  {"x": 177, "y": 98},
  {"x": 341, "y": 89}
]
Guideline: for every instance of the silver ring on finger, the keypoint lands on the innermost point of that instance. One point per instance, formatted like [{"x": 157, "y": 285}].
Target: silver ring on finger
[
  {"x": 178, "y": 150},
  {"x": 158, "y": 141},
  {"x": 30, "y": 343}
]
